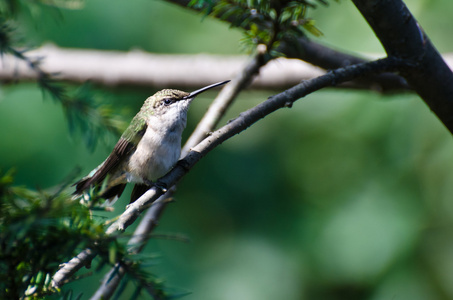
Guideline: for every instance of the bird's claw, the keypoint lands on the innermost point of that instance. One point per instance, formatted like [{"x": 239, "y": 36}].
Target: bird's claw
[
  {"x": 158, "y": 184},
  {"x": 162, "y": 186}
]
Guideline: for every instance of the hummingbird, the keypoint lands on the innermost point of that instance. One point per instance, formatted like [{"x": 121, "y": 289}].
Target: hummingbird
[{"x": 147, "y": 149}]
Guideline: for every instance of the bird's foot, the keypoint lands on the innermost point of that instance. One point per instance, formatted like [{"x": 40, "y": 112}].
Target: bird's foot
[{"x": 160, "y": 185}]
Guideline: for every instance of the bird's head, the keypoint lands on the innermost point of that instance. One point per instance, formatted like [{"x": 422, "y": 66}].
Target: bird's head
[{"x": 173, "y": 104}]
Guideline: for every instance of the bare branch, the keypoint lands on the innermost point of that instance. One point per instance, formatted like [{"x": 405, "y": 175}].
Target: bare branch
[
  {"x": 109, "y": 283},
  {"x": 149, "y": 222},
  {"x": 329, "y": 59},
  {"x": 112, "y": 279},
  {"x": 138, "y": 68},
  {"x": 68, "y": 269}
]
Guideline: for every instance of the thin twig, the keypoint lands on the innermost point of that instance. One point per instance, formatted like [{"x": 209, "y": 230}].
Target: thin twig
[
  {"x": 112, "y": 278},
  {"x": 68, "y": 269}
]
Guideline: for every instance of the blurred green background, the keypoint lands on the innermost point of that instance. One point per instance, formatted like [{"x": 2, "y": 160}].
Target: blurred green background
[{"x": 347, "y": 195}]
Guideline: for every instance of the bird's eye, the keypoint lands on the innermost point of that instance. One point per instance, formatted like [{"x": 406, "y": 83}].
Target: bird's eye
[{"x": 168, "y": 101}]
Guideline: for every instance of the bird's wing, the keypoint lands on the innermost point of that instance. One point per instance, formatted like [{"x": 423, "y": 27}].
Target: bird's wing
[{"x": 125, "y": 145}]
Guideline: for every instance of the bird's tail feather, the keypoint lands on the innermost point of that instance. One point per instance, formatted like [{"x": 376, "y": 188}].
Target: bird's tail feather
[
  {"x": 114, "y": 191},
  {"x": 139, "y": 189},
  {"x": 111, "y": 194},
  {"x": 85, "y": 183}
]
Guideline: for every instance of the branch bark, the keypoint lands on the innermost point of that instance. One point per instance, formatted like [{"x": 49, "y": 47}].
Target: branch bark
[
  {"x": 138, "y": 68},
  {"x": 329, "y": 59},
  {"x": 68, "y": 269},
  {"x": 403, "y": 37},
  {"x": 141, "y": 69}
]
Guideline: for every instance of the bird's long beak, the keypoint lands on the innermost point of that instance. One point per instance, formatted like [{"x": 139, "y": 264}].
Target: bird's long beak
[{"x": 193, "y": 94}]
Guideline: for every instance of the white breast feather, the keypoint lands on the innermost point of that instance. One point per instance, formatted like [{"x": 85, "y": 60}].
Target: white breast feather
[{"x": 157, "y": 152}]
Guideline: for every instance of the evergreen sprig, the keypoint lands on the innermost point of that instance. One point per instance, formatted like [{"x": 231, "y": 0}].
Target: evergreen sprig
[
  {"x": 265, "y": 22},
  {"x": 39, "y": 230}
]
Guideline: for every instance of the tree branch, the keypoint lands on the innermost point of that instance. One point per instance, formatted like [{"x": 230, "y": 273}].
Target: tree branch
[
  {"x": 329, "y": 59},
  {"x": 68, "y": 269},
  {"x": 109, "y": 283},
  {"x": 403, "y": 37},
  {"x": 138, "y": 68}
]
